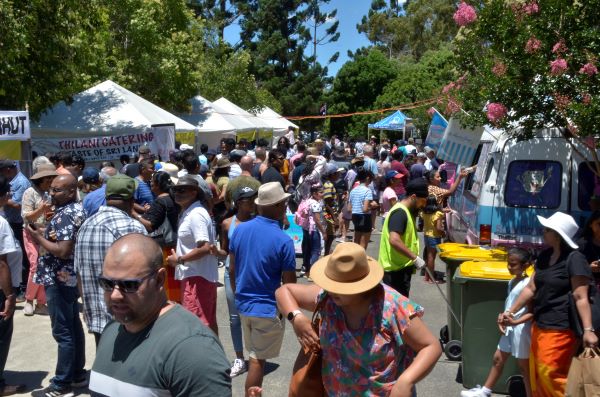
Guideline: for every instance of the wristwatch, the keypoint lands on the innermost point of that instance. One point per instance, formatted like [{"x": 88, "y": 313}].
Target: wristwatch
[
  {"x": 291, "y": 315},
  {"x": 591, "y": 329},
  {"x": 180, "y": 260}
]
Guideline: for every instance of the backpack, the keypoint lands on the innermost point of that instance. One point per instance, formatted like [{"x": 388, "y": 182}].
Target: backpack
[{"x": 302, "y": 215}]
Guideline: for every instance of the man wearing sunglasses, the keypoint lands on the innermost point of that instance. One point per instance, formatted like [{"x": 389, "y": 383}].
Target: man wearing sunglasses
[
  {"x": 154, "y": 346},
  {"x": 56, "y": 272}
]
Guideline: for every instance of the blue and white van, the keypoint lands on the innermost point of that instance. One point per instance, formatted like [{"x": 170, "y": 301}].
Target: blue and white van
[{"x": 517, "y": 180}]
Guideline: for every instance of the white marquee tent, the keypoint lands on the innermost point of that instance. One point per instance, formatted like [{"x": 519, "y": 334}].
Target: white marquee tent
[{"x": 279, "y": 124}]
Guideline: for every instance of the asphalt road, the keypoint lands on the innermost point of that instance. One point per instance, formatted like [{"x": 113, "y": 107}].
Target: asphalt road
[{"x": 32, "y": 356}]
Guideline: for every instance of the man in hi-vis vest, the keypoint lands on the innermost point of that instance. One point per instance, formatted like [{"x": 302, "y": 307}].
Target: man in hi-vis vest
[{"x": 399, "y": 247}]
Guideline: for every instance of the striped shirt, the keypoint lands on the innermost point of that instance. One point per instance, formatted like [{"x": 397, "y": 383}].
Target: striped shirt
[{"x": 358, "y": 196}]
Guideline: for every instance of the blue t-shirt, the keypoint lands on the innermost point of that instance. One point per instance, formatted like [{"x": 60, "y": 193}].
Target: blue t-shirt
[
  {"x": 371, "y": 165},
  {"x": 143, "y": 194},
  {"x": 18, "y": 185},
  {"x": 262, "y": 253},
  {"x": 94, "y": 200},
  {"x": 358, "y": 196}
]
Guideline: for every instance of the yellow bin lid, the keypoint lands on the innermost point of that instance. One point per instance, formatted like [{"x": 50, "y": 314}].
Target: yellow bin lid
[
  {"x": 493, "y": 270},
  {"x": 445, "y": 247},
  {"x": 475, "y": 252}
]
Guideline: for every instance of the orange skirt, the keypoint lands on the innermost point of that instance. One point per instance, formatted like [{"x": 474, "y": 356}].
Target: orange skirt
[
  {"x": 550, "y": 359},
  {"x": 172, "y": 286}
]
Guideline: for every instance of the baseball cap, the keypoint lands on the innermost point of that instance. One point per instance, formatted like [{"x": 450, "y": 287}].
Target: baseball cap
[
  {"x": 144, "y": 149},
  {"x": 120, "y": 187},
  {"x": 330, "y": 169},
  {"x": 185, "y": 146},
  {"x": 243, "y": 192},
  {"x": 90, "y": 175},
  {"x": 7, "y": 164},
  {"x": 211, "y": 152},
  {"x": 393, "y": 174},
  {"x": 417, "y": 187},
  {"x": 421, "y": 155}
]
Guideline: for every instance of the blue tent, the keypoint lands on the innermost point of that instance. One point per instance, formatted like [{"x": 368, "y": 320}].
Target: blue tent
[{"x": 396, "y": 121}]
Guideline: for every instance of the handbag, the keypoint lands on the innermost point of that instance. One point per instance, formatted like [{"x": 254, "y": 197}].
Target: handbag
[
  {"x": 164, "y": 235},
  {"x": 307, "y": 379},
  {"x": 584, "y": 374}
]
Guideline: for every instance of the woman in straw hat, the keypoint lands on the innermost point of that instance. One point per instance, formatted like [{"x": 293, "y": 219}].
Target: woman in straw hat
[
  {"x": 560, "y": 271},
  {"x": 372, "y": 338},
  {"x": 35, "y": 207}
]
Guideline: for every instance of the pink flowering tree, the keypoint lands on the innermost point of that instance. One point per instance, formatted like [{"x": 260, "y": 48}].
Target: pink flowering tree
[{"x": 531, "y": 64}]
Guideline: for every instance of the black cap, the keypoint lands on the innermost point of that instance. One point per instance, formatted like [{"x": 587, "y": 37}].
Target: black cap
[
  {"x": 417, "y": 187},
  {"x": 7, "y": 164}
]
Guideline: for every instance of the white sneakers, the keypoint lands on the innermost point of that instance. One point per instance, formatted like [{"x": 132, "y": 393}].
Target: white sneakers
[
  {"x": 475, "y": 392},
  {"x": 28, "y": 309},
  {"x": 40, "y": 309},
  {"x": 238, "y": 367}
]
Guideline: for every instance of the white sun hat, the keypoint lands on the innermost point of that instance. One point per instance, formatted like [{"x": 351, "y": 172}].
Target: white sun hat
[{"x": 562, "y": 224}]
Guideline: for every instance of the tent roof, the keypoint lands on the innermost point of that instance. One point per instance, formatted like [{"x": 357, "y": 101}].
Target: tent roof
[
  {"x": 275, "y": 120},
  {"x": 107, "y": 109},
  {"x": 234, "y": 109},
  {"x": 395, "y": 121},
  {"x": 205, "y": 116}
]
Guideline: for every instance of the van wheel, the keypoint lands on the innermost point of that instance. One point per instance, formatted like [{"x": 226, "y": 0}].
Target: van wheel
[
  {"x": 453, "y": 350},
  {"x": 516, "y": 386},
  {"x": 444, "y": 336}
]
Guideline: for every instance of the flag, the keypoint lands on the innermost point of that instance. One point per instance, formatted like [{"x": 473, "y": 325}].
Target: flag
[
  {"x": 436, "y": 130},
  {"x": 459, "y": 144}
]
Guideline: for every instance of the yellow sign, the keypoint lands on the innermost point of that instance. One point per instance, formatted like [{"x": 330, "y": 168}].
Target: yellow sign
[
  {"x": 186, "y": 137},
  {"x": 10, "y": 150}
]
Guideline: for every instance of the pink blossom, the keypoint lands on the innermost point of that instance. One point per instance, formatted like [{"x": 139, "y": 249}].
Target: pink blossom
[
  {"x": 561, "y": 101},
  {"x": 558, "y": 66},
  {"x": 452, "y": 106},
  {"x": 531, "y": 8},
  {"x": 431, "y": 111},
  {"x": 496, "y": 112},
  {"x": 573, "y": 129},
  {"x": 589, "y": 68},
  {"x": 559, "y": 47},
  {"x": 499, "y": 69},
  {"x": 448, "y": 87},
  {"x": 465, "y": 14},
  {"x": 533, "y": 45}
]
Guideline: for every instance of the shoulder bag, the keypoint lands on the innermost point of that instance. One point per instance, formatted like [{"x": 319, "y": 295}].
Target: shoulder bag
[{"x": 307, "y": 379}]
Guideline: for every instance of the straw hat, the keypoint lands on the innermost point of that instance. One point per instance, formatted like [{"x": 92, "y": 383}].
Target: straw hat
[
  {"x": 347, "y": 271},
  {"x": 271, "y": 193},
  {"x": 170, "y": 169},
  {"x": 223, "y": 162},
  {"x": 44, "y": 170},
  {"x": 562, "y": 224}
]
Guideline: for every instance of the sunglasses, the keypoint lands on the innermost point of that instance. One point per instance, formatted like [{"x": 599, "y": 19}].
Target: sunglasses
[
  {"x": 128, "y": 286},
  {"x": 56, "y": 190},
  {"x": 181, "y": 189}
]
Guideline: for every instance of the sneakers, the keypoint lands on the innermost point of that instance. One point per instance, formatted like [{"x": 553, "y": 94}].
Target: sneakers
[
  {"x": 41, "y": 310},
  {"x": 9, "y": 390},
  {"x": 28, "y": 309},
  {"x": 238, "y": 367},
  {"x": 475, "y": 392},
  {"x": 54, "y": 391}
]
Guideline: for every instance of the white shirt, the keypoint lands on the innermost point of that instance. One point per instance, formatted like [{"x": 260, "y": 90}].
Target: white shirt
[
  {"x": 10, "y": 247},
  {"x": 234, "y": 171},
  {"x": 195, "y": 226}
]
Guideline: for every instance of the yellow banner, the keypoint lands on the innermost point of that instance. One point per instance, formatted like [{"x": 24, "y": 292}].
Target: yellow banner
[
  {"x": 186, "y": 137},
  {"x": 10, "y": 150}
]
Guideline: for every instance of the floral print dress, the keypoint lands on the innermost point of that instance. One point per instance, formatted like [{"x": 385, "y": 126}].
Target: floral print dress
[{"x": 369, "y": 360}]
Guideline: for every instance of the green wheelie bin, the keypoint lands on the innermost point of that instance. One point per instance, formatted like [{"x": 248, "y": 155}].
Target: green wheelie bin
[
  {"x": 453, "y": 254},
  {"x": 483, "y": 290}
]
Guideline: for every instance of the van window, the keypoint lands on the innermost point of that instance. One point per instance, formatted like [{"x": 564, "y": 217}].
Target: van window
[
  {"x": 532, "y": 183},
  {"x": 588, "y": 185},
  {"x": 488, "y": 170}
]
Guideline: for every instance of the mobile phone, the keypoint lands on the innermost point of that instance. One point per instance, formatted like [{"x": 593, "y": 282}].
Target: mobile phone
[{"x": 33, "y": 226}]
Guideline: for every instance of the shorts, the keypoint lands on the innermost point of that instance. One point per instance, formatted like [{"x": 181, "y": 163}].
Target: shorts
[
  {"x": 362, "y": 223},
  {"x": 199, "y": 296},
  {"x": 517, "y": 341},
  {"x": 432, "y": 242},
  {"x": 263, "y": 336}
]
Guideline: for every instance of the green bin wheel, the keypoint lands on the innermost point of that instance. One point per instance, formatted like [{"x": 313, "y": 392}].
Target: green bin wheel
[
  {"x": 453, "y": 350},
  {"x": 444, "y": 336}
]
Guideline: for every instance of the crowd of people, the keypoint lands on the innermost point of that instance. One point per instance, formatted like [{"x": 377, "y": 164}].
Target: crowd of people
[{"x": 141, "y": 244}]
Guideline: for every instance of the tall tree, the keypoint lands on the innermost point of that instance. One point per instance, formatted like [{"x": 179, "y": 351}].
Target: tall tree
[
  {"x": 219, "y": 13},
  {"x": 274, "y": 33},
  {"x": 317, "y": 19}
]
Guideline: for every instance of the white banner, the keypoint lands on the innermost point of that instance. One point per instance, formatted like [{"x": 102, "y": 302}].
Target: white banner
[
  {"x": 98, "y": 148},
  {"x": 164, "y": 140},
  {"x": 14, "y": 126}
]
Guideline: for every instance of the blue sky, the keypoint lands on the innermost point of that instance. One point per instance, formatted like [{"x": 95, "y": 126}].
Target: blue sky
[{"x": 349, "y": 13}]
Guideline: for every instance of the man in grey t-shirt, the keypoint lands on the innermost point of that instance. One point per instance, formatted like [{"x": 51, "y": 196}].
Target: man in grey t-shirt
[{"x": 154, "y": 347}]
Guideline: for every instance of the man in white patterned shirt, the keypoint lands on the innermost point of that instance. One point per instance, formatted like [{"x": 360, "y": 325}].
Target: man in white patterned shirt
[{"x": 96, "y": 235}]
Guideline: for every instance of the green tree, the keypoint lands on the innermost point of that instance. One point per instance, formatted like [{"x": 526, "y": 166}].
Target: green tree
[
  {"x": 317, "y": 19},
  {"x": 530, "y": 64},
  {"x": 356, "y": 87}
]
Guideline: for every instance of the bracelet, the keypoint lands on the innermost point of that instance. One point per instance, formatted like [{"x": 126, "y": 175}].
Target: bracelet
[{"x": 589, "y": 329}]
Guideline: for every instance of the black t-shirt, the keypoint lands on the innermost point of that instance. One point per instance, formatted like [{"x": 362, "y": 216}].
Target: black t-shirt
[
  {"x": 552, "y": 286},
  {"x": 272, "y": 175},
  {"x": 161, "y": 207},
  {"x": 398, "y": 221}
]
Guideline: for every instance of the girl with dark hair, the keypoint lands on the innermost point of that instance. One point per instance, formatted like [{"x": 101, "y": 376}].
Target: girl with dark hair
[
  {"x": 435, "y": 180},
  {"x": 433, "y": 231},
  {"x": 314, "y": 230},
  {"x": 163, "y": 209}
]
